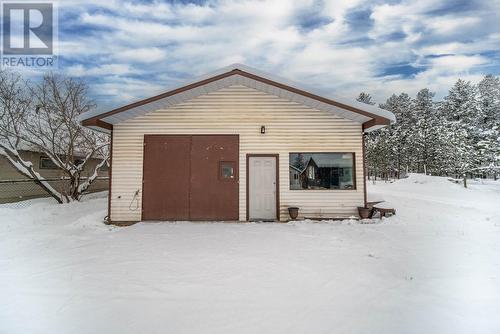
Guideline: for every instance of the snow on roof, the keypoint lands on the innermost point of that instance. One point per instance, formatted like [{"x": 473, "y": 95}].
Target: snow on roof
[
  {"x": 22, "y": 146},
  {"x": 326, "y": 160},
  {"x": 29, "y": 147}
]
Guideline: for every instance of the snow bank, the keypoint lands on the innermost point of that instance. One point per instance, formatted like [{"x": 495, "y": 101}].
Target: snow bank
[{"x": 435, "y": 190}]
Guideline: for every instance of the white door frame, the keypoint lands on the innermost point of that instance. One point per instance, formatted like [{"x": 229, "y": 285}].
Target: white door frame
[{"x": 277, "y": 192}]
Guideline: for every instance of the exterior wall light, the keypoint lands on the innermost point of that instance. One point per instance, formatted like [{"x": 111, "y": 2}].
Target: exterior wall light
[{"x": 263, "y": 129}]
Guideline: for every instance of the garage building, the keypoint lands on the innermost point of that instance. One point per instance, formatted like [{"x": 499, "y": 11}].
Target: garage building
[{"x": 237, "y": 145}]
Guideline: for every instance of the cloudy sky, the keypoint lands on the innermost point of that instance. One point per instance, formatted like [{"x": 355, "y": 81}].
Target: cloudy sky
[{"x": 132, "y": 49}]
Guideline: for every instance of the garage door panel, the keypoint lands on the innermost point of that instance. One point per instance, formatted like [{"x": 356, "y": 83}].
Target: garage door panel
[
  {"x": 214, "y": 196},
  {"x": 166, "y": 177}
]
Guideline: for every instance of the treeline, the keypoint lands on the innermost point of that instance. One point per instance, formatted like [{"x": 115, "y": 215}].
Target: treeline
[{"x": 458, "y": 136}]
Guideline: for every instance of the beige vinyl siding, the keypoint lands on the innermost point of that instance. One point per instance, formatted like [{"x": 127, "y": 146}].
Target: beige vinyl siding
[{"x": 290, "y": 127}]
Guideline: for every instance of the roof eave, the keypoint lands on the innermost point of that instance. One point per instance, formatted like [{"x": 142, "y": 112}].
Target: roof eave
[
  {"x": 98, "y": 125},
  {"x": 376, "y": 123}
]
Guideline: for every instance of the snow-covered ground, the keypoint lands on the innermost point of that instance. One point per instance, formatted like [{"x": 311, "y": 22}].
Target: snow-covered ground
[{"x": 433, "y": 268}]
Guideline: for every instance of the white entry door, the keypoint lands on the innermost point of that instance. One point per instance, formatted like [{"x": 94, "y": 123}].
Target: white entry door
[{"x": 262, "y": 188}]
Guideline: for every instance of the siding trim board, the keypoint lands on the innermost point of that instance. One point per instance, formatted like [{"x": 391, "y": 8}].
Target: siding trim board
[
  {"x": 365, "y": 196},
  {"x": 110, "y": 171}
]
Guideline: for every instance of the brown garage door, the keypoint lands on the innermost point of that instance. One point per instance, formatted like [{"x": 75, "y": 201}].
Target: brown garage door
[{"x": 190, "y": 177}]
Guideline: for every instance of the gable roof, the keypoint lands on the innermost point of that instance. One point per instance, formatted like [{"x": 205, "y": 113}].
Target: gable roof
[{"x": 370, "y": 116}]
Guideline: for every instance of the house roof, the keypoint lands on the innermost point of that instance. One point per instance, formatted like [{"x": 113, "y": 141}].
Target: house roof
[
  {"x": 370, "y": 116},
  {"x": 24, "y": 146},
  {"x": 325, "y": 160}
]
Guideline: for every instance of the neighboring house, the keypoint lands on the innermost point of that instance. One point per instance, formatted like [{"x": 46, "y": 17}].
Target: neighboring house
[
  {"x": 220, "y": 147},
  {"x": 15, "y": 186}
]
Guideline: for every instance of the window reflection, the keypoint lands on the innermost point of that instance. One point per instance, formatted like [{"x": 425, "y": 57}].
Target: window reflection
[{"x": 316, "y": 171}]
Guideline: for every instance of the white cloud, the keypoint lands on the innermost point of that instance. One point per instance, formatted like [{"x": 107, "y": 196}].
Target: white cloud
[
  {"x": 487, "y": 43},
  {"x": 140, "y": 55},
  {"x": 447, "y": 25},
  {"x": 161, "y": 42},
  {"x": 457, "y": 63},
  {"x": 101, "y": 70}
]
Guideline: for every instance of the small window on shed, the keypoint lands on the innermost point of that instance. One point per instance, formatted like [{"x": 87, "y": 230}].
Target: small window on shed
[
  {"x": 227, "y": 170},
  {"x": 47, "y": 163}
]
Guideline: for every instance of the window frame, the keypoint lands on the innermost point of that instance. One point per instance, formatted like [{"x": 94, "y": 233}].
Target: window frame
[
  {"x": 354, "y": 177},
  {"x": 221, "y": 174},
  {"x": 43, "y": 157}
]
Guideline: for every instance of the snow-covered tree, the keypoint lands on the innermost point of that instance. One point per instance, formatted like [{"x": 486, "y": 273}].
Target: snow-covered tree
[
  {"x": 299, "y": 161},
  {"x": 379, "y": 147},
  {"x": 489, "y": 142},
  {"x": 371, "y": 158},
  {"x": 461, "y": 103},
  {"x": 461, "y": 109},
  {"x": 44, "y": 116},
  {"x": 428, "y": 133},
  {"x": 401, "y": 134},
  {"x": 489, "y": 100},
  {"x": 457, "y": 136},
  {"x": 489, "y": 149},
  {"x": 365, "y": 98}
]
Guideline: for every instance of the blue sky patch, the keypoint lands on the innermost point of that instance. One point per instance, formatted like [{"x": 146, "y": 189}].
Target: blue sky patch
[{"x": 402, "y": 70}]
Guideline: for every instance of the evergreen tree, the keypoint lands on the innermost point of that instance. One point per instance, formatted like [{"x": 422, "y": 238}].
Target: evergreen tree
[
  {"x": 427, "y": 138},
  {"x": 462, "y": 113},
  {"x": 376, "y": 144},
  {"x": 378, "y": 148},
  {"x": 489, "y": 100},
  {"x": 365, "y": 98},
  {"x": 489, "y": 148},
  {"x": 461, "y": 103},
  {"x": 400, "y": 133},
  {"x": 457, "y": 136},
  {"x": 489, "y": 143}
]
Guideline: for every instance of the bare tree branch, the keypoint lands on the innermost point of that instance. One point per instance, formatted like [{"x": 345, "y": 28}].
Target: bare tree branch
[{"x": 44, "y": 117}]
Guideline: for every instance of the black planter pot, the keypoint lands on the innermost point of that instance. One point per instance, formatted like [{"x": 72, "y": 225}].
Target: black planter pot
[
  {"x": 293, "y": 211},
  {"x": 364, "y": 213}
]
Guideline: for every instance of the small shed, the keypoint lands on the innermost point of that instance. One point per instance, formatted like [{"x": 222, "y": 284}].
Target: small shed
[{"x": 231, "y": 146}]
